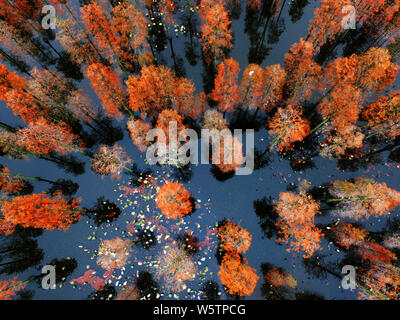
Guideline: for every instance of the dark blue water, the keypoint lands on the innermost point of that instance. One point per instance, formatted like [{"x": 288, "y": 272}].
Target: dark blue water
[{"x": 231, "y": 199}]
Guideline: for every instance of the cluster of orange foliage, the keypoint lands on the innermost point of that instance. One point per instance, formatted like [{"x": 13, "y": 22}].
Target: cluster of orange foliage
[
  {"x": 214, "y": 120},
  {"x": 109, "y": 89},
  {"x": 303, "y": 74},
  {"x": 383, "y": 280},
  {"x": 261, "y": 88},
  {"x": 174, "y": 200},
  {"x": 129, "y": 22},
  {"x": 338, "y": 142},
  {"x": 41, "y": 211},
  {"x": 216, "y": 35},
  {"x": 234, "y": 238},
  {"x": 226, "y": 87},
  {"x": 237, "y": 276},
  {"x": 106, "y": 33},
  {"x": 8, "y": 183},
  {"x": 165, "y": 122},
  {"x": 383, "y": 115},
  {"x": 74, "y": 40},
  {"x": 13, "y": 93},
  {"x": 176, "y": 267},
  {"x": 228, "y": 154},
  {"x": 8, "y": 288},
  {"x": 138, "y": 131},
  {"x": 113, "y": 254},
  {"x": 297, "y": 212},
  {"x": 9, "y": 80},
  {"x": 288, "y": 126},
  {"x": 330, "y": 16},
  {"x": 346, "y": 235},
  {"x": 280, "y": 278},
  {"x": 110, "y": 160},
  {"x": 42, "y": 137},
  {"x": 364, "y": 198},
  {"x": 158, "y": 88}
]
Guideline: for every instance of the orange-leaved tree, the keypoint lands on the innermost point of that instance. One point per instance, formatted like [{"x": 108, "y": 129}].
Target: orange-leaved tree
[
  {"x": 41, "y": 211},
  {"x": 234, "y": 238},
  {"x": 138, "y": 131},
  {"x": 226, "y": 90},
  {"x": 43, "y": 137},
  {"x": 174, "y": 200},
  {"x": 288, "y": 126},
  {"x": 297, "y": 212},
  {"x": 383, "y": 116},
  {"x": 110, "y": 161},
  {"x": 363, "y": 198},
  {"x": 237, "y": 276},
  {"x": 216, "y": 35},
  {"x": 157, "y": 88},
  {"x": 302, "y": 73},
  {"x": 9, "y": 288},
  {"x": 108, "y": 87}
]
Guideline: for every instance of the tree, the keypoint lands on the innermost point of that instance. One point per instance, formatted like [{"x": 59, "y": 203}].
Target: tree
[
  {"x": 110, "y": 161},
  {"x": 254, "y": 5},
  {"x": 75, "y": 41},
  {"x": 108, "y": 88},
  {"x": 251, "y": 86},
  {"x": 288, "y": 126},
  {"x": 297, "y": 212},
  {"x": 9, "y": 80},
  {"x": 176, "y": 267},
  {"x": 302, "y": 73},
  {"x": 343, "y": 97},
  {"x": 212, "y": 119},
  {"x": 216, "y": 35},
  {"x": 10, "y": 184},
  {"x": 164, "y": 120},
  {"x": 274, "y": 81},
  {"x": 237, "y": 276},
  {"x": 234, "y": 238},
  {"x": 280, "y": 278},
  {"x": 372, "y": 251},
  {"x": 138, "y": 131},
  {"x": 375, "y": 71},
  {"x": 158, "y": 88},
  {"x": 346, "y": 235},
  {"x": 129, "y": 22},
  {"x": 113, "y": 254},
  {"x": 383, "y": 116},
  {"x": 89, "y": 277},
  {"x": 98, "y": 24},
  {"x": 42, "y": 137},
  {"x": 330, "y": 17},
  {"x": 382, "y": 279},
  {"x": 24, "y": 105},
  {"x": 174, "y": 200},
  {"x": 226, "y": 91},
  {"x": 9, "y": 288},
  {"x": 363, "y": 198},
  {"x": 40, "y": 211},
  {"x": 228, "y": 154},
  {"x": 339, "y": 141}
]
